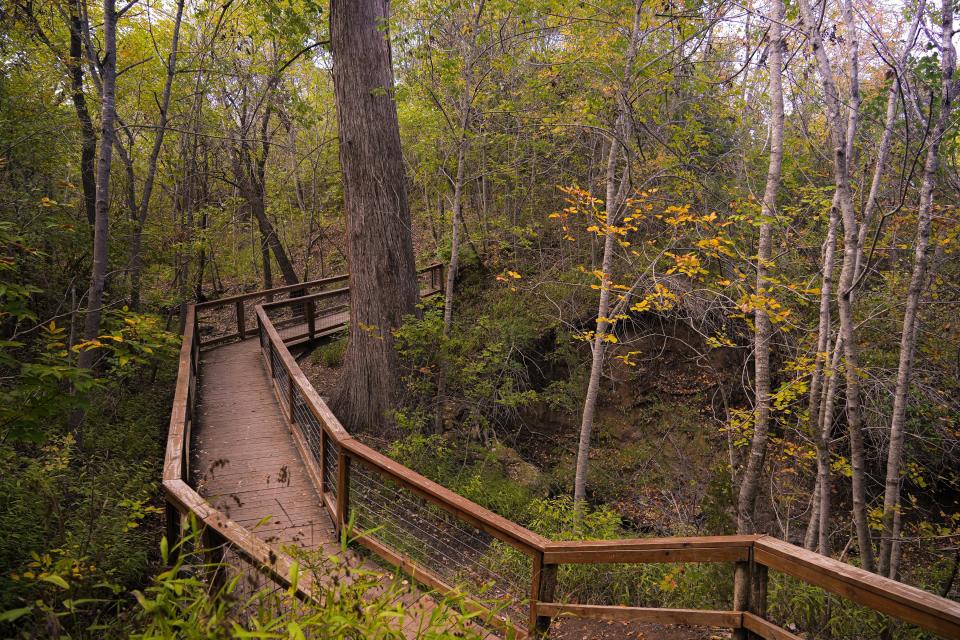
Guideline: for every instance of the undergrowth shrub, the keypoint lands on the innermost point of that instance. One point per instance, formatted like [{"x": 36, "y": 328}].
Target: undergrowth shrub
[
  {"x": 196, "y": 598},
  {"x": 796, "y": 605},
  {"x": 704, "y": 586},
  {"x": 471, "y": 471},
  {"x": 330, "y": 354}
]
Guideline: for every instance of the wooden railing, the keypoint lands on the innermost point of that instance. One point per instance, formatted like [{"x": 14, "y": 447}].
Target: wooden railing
[{"x": 450, "y": 543}]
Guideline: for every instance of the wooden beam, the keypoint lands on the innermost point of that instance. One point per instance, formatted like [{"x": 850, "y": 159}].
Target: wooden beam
[
  {"x": 687, "y": 542},
  {"x": 766, "y": 629},
  {"x": 648, "y": 555},
  {"x": 876, "y": 592},
  {"x": 697, "y": 617}
]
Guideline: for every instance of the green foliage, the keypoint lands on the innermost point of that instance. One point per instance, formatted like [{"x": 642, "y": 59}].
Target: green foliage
[
  {"x": 478, "y": 365},
  {"x": 356, "y": 602},
  {"x": 797, "y": 605},
  {"x": 469, "y": 470},
  {"x": 331, "y": 353}
]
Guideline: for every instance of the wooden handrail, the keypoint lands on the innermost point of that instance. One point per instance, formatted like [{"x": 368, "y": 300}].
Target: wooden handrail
[
  {"x": 893, "y": 598},
  {"x": 755, "y": 554},
  {"x": 222, "y": 302}
]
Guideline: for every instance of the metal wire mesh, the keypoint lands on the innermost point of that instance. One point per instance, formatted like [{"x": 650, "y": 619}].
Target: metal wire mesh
[
  {"x": 331, "y": 465},
  {"x": 279, "y": 373},
  {"x": 485, "y": 569},
  {"x": 306, "y": 423}
]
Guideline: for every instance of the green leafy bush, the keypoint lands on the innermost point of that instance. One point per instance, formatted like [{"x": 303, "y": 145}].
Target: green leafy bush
[{"x": 330, "y": 354}]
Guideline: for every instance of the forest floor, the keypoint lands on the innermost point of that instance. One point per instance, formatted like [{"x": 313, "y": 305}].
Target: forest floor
[{"x": 597, "y": 630}]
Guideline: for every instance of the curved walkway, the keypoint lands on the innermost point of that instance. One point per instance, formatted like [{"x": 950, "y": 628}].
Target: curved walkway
[{"x": 246, "y": 465}]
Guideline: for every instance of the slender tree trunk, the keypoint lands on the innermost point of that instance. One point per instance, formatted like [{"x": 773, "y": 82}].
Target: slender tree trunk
[
  {"x": 821, "y": 429},
  {"x": 383, "y": 281},
  {"x": 763, "y": 334},
  {"x": 143, "y": 209},
  {"x": 612, "y": 206},
  {"x": 918, "y": 279},
  {"x": 838, "y": 135},
  {"x": 88, "y": 136},
  {"x": 468, "y": 53},
  {"x": 101, "y": 228},
  {"x": 454, "y": 265},
  {"x": 813, "y": 529}
]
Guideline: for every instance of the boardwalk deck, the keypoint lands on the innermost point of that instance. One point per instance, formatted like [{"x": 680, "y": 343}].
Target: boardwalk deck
[
  {"x": 246, "y": 465},
  {"x": 245, "y": 462}
]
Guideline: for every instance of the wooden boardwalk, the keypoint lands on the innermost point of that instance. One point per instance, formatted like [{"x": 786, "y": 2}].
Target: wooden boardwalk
[
  {"x": 250, "y": 447},
  {"x": 246, "y": 465},
  {"x": 245, "y": 462}
]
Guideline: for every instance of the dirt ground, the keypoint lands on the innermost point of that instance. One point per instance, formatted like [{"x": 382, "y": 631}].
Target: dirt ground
[{"x": 597, "y": 630}]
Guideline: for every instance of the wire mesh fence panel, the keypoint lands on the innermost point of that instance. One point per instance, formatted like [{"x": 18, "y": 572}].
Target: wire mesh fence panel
[
  {"x": 280, "y": 374},
  {"x": 289, "y": 317},
  {"x": 254, "y": 593},
  {"x": 307, "y": 424},
  {"x": 250, "y": 315},
  {"x": 333, "y": 309},
  {"x": 331, "y": 465},
  {"x": 216, "y": 322},
  {"x": 429, "y": 280},
  {"x": 483, "y": 568}
]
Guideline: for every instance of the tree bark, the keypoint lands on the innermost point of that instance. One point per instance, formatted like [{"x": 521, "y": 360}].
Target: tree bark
[
  {"x": 143, "y": 208},
  {"x": 101, "y": 227},
  {"x": 88, "y": 136},
  {"x": 383, "y": 280},
  {"x": 918, "y": 278},
  {"x": 838, "y": 136},
  {"x": 821, "y": 421},
  {"x": 763, "y": 334},
  {"x": 612, "y": 207}
]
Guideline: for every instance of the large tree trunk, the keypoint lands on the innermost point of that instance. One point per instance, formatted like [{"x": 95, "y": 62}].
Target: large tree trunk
[
  {"x": 838, "y": 136},
  {"x": 101, "y": 228},
  {"x": 383, "y": 280},
  {"x": 763, "y": 334},
  {"x": 918, "y": 279}
]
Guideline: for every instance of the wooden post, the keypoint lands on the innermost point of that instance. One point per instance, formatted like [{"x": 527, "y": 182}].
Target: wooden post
[
  {"x": 311, "y": 320},
  {"x": 343, "y": 490},
  {"x": 241, "y": 320},
  {"x": 544, "y": 584},
  {"x": 173, "y": 530},
  {"x": 742, "y": 584},
  {"x": 758, "y": 596},
  {"x": 213, "y": 545}
]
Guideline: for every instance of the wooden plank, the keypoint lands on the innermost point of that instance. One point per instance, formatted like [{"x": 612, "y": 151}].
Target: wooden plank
[
  {"x": 650, "y": 555},
  {"x": 210, "y": 304},
  {"x": 272, "y": 561},
  {"x": 766, "y": 629},
  {"x": 689, "y": 542},
  {"x": 697, "y": 617},
  {"x": 306, "y": 457},
  {"x": 882, "y": 594}
]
